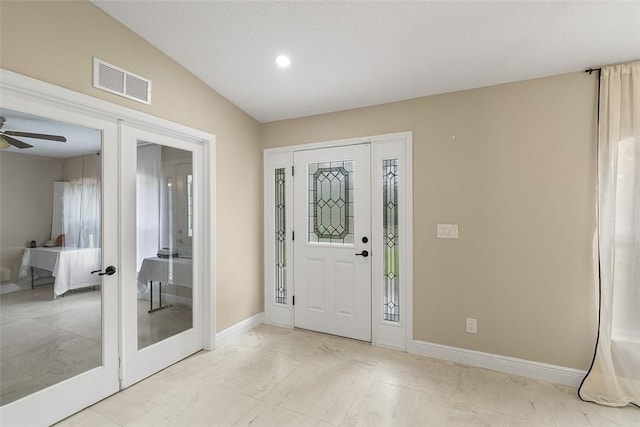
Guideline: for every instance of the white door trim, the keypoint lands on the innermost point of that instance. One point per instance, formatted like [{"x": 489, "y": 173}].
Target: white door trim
[
  {"x": 282, "y": 157},
  {"x": 275, "y": 313},
  {"x": 393, "y": 335}
]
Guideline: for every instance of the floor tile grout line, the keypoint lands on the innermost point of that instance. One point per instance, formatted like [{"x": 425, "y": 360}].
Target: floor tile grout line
[
  {"x": 105, "y": 416},
  {"x": 256, "y": 403},
  {"x": 497, "y": 411}
]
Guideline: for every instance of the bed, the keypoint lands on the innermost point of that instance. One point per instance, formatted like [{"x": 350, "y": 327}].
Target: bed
[{"x": 70, "y": 267}]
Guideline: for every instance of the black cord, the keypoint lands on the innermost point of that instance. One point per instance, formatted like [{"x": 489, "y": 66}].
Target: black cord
[{"x": 595, "y": 350}]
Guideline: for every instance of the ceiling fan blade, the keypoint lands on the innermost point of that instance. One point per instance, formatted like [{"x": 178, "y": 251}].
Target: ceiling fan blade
[
  {"x": 15, "y": 142},
  {"x": 36, "y": 135}
]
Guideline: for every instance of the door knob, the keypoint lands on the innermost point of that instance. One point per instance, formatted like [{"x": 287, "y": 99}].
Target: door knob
[
  {"x": 108, "y": 271},
  {"x": 363, "y": 254}
]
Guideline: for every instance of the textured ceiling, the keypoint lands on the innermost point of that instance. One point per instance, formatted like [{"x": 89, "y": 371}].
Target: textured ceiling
[{"x": 352, "y": 54}]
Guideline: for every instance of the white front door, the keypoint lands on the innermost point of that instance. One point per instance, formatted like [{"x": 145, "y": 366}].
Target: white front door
[
  {"x": 332, "y": 244},
  {"x": 162, "y": 183}
]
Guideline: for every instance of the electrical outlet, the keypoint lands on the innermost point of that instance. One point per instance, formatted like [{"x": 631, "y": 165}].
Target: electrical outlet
[
  {"x": 472, "y": 325},
  {"x": 447, "y": 231}
]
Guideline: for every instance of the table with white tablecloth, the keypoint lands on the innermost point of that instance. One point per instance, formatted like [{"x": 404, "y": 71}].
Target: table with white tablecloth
[
  {"x": 172, "y": 270},
  {"x": 70, "y": 267}
]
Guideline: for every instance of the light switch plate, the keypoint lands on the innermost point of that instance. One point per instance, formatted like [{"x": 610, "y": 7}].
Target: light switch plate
[{"x": 447, "y": 231}]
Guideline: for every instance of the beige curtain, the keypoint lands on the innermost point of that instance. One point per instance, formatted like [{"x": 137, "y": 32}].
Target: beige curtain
[{"x": 614, "y": 377}]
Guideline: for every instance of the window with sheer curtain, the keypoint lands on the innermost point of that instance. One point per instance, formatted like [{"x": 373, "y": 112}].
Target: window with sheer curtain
[
  {"x": 81, "y": 216},
  {"x": 614, "y": 376},
  {"x": 626, "y": 301},
  {"x": 148, "y": 194},
  {"x": 81, "y": 202}
]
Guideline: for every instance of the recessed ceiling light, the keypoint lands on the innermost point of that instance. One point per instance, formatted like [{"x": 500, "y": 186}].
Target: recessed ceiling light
[{"x": 283, "y": 61}]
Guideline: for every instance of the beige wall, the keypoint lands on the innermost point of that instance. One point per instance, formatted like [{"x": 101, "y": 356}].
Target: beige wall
[
  {"x": 26, "y": 187},
  {"x": 56, "y": 42},
  {"x": 26, "y": 204},
  {"x": 77, "y": 168},
  {"x": 519, "y": 180}
]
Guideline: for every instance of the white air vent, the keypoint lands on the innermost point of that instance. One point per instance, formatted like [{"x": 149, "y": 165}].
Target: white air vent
[{"x": 121, "y": 82}]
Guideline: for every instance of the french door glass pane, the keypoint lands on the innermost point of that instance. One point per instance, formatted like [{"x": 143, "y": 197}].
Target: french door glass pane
[
  {"x": 51, "y": 226},
  {"x": 164, "y": 251}
]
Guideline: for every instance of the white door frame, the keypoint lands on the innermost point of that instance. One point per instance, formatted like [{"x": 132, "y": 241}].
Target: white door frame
[
  {"x": 394, "y": 335},
  {"x": 26, "y": 89}
]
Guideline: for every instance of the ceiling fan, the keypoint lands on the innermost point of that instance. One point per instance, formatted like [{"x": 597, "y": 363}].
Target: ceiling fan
[{"x": 7, "y": 137}]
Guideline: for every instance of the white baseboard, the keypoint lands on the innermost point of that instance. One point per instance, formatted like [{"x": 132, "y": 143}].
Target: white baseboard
[
  {"x": 510, "y": 365},
  {"x": 239, "y": 329}
]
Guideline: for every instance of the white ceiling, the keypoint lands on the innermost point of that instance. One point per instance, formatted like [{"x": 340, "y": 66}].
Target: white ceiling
[
  {"x": 80, "y": 140},
  {"x": 352, "y": 54}
]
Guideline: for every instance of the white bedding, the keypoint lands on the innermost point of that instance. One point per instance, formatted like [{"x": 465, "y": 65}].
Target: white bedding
[{"x": 71, "y": 267}]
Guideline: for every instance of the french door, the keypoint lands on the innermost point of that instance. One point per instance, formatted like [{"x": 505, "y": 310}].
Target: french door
[
  {"x": 59, "y": 342},
  {"x": 137, "y": 224},
  {"x": 332, "y": 246},
  {"x": 161, "y": 260}
]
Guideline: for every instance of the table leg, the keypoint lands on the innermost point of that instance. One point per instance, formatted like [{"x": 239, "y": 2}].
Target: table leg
[
  {"x": 33, "y": 286},
  {"x": 160, "y": 306}
]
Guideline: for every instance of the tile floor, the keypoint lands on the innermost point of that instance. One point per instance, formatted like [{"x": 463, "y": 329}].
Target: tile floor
[
  {"x": 156, "y": 326},
  {"x": 279, "y": 377},
  {"x": 44, "y": 341}
]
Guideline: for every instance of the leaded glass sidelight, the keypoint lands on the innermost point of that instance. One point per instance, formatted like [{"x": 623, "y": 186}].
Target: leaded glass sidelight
[
  {"x": 391, "y": 280},
  {"x": 281, "y": 238},
  {"x": 331, "y": 202}
]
